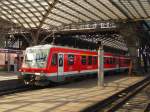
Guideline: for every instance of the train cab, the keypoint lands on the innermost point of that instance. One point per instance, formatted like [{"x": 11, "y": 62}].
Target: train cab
[{"x": 46, "y": 63}]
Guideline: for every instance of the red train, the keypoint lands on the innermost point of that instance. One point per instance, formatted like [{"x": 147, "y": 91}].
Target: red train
[{"x": 46, "y": 63}]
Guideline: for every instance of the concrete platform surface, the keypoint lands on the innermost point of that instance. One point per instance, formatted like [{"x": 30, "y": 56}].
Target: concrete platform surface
[
  {"x": 71, "y": 97},
  {"x": 7, "y": 76}
]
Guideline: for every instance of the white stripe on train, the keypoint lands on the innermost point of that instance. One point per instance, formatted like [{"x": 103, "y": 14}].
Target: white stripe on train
[{"x": 86, "y": 71}]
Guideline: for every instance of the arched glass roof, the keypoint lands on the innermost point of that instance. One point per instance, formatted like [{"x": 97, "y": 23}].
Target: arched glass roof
[{"x": 54, "y": 13}]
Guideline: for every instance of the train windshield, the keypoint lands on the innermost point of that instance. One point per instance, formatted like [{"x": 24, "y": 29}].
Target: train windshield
[{"x": 36, "y": 58}]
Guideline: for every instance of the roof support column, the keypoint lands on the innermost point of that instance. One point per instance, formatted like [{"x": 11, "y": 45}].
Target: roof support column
[
  {"x": 128, "y": 31},
  {"x": 35, "y": 36}
]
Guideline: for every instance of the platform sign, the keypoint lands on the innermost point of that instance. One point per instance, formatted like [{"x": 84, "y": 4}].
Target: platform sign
[{"x": 11, "y": 51}]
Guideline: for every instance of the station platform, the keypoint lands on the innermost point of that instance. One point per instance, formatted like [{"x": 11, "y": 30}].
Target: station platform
[
  {"x": 8, "y": 80},
  {"x": 72, "y": 97},
  {"x": 7, "y": 76}
]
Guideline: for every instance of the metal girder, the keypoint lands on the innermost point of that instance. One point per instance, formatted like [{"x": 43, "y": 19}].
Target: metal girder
[
  {"x": 22, "y": 11},
  {"x": 61, "y": 11},
  {"x": 55, "y": 14},
  {"x": 106, "y": 39},
  {"x": 148, "y": 1},
  {"x": 134, "y": 8},
  {"x": 120, "y": 9},
  {"x": 128, "y": 10},
  {"x": 37, "y": 7},
  {"x": 51, "y": 6},
  {"x": 63, "y": 17},
  {"x": 46, "y": 37},
  {"x": 13, "y": 11},
  {"x": 6, "y": 16},
  {"x": 75, "y": 16},
  {"x": 98, "y": 10},
  {"x": 17, "y": 19},
  {"x": 29, "y": 9},
  {"x": 114, "y": 13},
  {"x": 27, "y": 39},
  {"x": 56, "y": 20},
  {"x": 85, "y": 8},
  {"x": 43, "y": 14},
  {"x": 85, "y": 15},
  {"x": 112, "y": 43},
  {"x": 143, "y": 8}
]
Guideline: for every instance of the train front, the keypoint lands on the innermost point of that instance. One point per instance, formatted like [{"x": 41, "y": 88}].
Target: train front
[{"x": 34, "y": 65}]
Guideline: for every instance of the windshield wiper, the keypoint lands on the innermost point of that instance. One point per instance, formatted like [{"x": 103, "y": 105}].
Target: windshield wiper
[{"x": 28, "y": 60}]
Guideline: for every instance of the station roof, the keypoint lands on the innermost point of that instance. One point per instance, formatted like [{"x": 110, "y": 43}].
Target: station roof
[{"x": 54, "y": 13}]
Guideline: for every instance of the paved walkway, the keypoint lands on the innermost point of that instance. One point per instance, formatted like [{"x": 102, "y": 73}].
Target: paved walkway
[
  {"x": 7, "y": 76},
  {"x": 71, "y": 97}
]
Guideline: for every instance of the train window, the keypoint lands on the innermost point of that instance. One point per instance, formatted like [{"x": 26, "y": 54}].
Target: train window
[
  {"x": 89, "y": 60},
  {"x": 70, "y": 59},
  {"x": 111, "y": 60},
  {"x": 94, "y": 60},
  {"x": 105, "y": 60},
  {"x": 108, "y": 60},
  {"x": 114, "y": 61},
  {"x": 54, "y": 59},
  {"x": 127, "y": 61},
  {"x": 117, "y": 60},
  {"x": 83, "y": 61}
]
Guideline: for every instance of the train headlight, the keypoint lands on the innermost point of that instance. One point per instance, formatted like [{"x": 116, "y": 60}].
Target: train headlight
[{"x": 20, "y": 70}]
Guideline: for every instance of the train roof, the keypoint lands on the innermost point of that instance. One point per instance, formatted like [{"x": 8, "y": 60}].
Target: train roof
[
  {"x": 40, "y": 47},
  {"x": 48, "y": 46}
]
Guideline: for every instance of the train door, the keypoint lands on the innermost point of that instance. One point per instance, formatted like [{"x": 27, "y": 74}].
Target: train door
[{"x": 60, "y": 64}]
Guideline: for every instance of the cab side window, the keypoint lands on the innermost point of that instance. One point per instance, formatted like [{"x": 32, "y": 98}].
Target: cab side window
[
  {"x": 54, "y": 59},
  {"x": 89, "y": 60},
  {"x": 111, "y": 60},
  {"x": 117, "y": 60},
  {"x": 114, "y": 61},
  {"x": 94, "y": 60},
  {"x": 83, "y": 60},
  {"x": 70, "y": 59},
  {"x": 105, "y": 60}
]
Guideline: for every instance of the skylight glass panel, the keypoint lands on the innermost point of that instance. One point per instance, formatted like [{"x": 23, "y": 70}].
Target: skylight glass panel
[
  {"x": 138, "y": 7},
  {"x": 54, "y": 23},
  {"x": 59, "y": 18},
  {"x": 80, "y": 15},
  {"x": 64, "y": 14}
]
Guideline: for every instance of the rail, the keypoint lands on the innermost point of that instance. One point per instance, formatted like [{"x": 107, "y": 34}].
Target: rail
[{"x": 116, "y": 101}]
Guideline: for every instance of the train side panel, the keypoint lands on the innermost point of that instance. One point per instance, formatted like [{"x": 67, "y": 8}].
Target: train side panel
[
  {"x": 65, "y": 62},
  {"x": 72, "y": 62}
]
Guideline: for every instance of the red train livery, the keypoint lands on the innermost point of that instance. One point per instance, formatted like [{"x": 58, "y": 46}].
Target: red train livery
[{"x": 44, "y": 63}]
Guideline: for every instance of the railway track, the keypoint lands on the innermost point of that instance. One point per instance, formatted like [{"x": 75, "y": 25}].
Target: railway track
[
  {"x": 19, "y": 89},
  {"x": 135, "y": 98},
  {"x": 14, "y": 86},
  {"x": 139, "y": 103}
]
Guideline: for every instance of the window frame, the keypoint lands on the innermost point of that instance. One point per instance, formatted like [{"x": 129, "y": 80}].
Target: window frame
[
  {"x": 111, "y": 60},
  {"x": 94, "y": 60},
  {"x": 70, "y": 63},
  {"x": 56, "y": 59},
  {"x": 90, "y": 61},
  {"x": 83, "y": 62}
]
